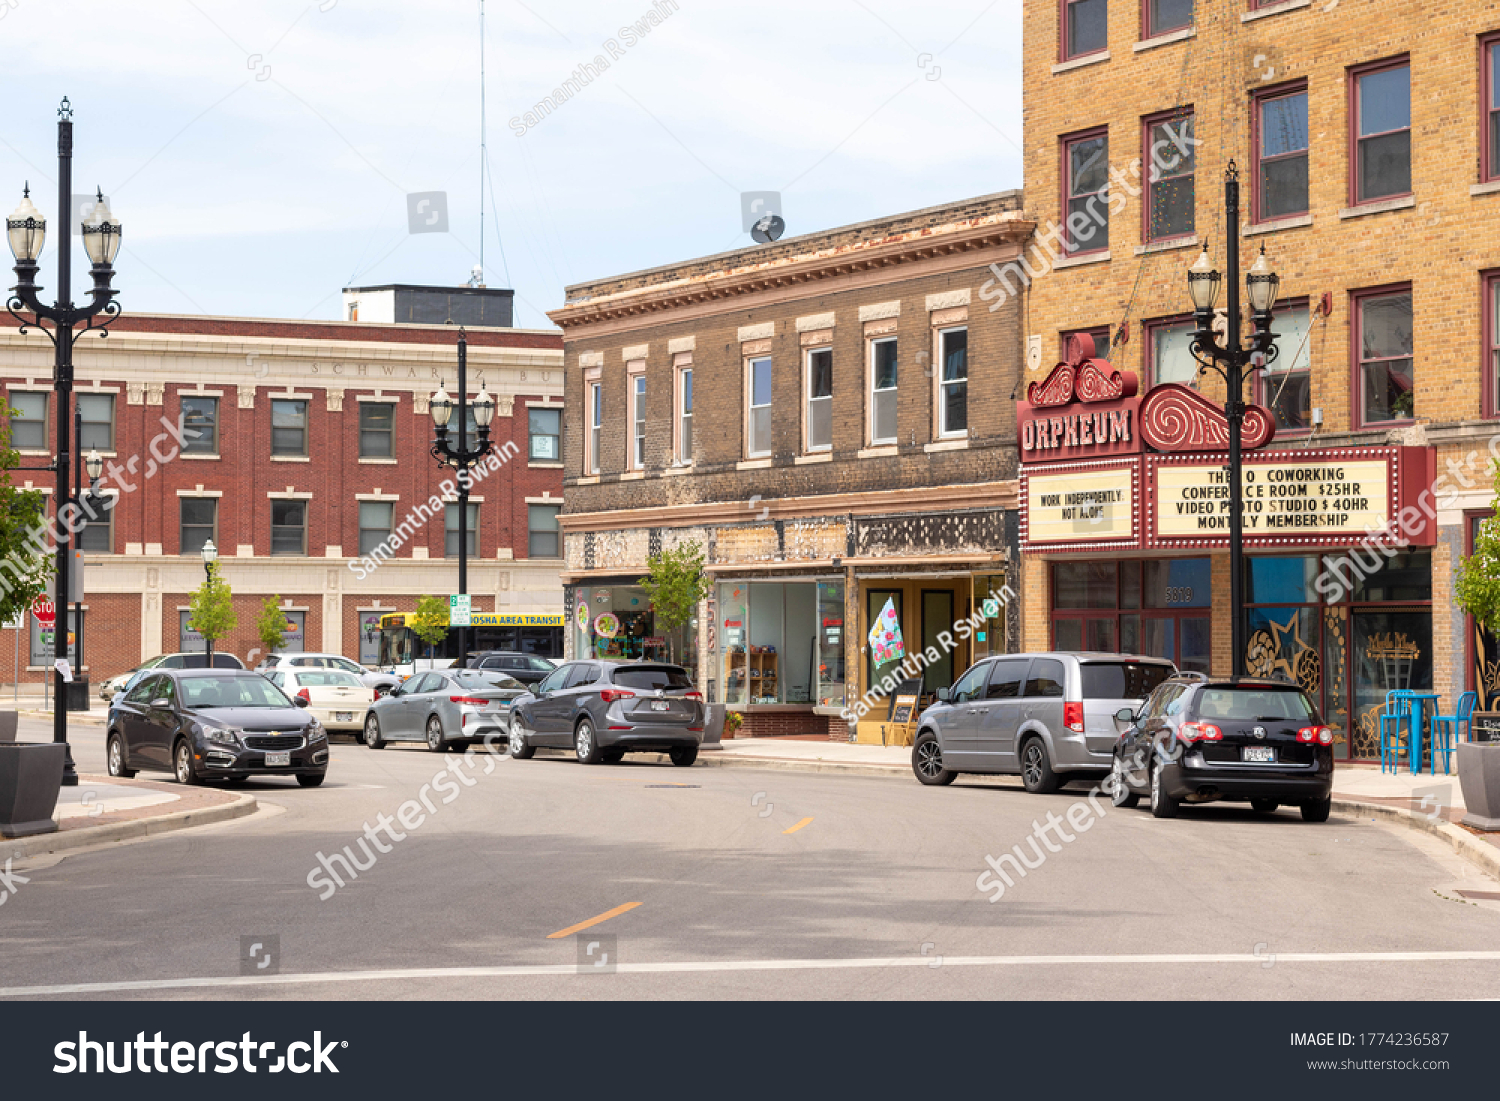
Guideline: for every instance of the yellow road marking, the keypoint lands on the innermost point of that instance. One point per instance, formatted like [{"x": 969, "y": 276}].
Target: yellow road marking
[
  {"x": 798, "y": 826},
  {"x": 582, "y": 925}
]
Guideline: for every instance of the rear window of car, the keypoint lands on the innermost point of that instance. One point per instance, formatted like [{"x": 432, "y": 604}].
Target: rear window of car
[
  {"x": 1250, "y": 704},
  {"x": 1122, "y": 680},
  {"x": 650, "y": 678},
  {"x": 328, "y": 678},
  {"x": 480, "y": 679}
]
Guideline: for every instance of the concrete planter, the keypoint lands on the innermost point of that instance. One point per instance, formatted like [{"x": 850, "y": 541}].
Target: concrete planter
[
  {"x": 713, "y": 726},
  {"x": 8, "y": 721},
  {"x": 30, "y": 778},
  {"x": 1479, "y": 779}
]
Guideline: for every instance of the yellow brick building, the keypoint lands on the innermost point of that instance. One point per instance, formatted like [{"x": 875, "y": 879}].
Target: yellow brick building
[{"x": 1367, "y": 143}]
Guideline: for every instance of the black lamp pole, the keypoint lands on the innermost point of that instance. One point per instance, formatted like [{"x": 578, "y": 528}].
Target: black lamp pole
[
  {"x": 1230, "y": 361},
  {"x": 26, "y": 230},
  {"x": 462, "y": 458}
]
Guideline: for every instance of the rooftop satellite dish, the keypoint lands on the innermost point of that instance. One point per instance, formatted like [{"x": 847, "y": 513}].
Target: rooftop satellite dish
[{"x": 768, "y": 229}]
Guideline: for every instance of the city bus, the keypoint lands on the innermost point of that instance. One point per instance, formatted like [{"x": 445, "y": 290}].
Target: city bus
[{"x": 402, "y": 653}]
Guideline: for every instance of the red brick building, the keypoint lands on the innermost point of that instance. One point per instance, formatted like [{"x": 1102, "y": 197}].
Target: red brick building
[{"x": 297, "y": 447}]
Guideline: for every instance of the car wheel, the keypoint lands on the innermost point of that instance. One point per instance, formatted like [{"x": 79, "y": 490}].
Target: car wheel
[
  {"x": 435, "y": 740},
  {"x": 1162, "y": 804},
  {"x": 927, "y": 761},
  {"x": 613, "y": 756},
  {"x": 683, "y": 755},
  {"x": 116, "y": 754},
  {"x": 1120, "y": 794},
  {"x": 1264, "y": 806},
  {"x": 516, "y": 743},
  {"x": 1036, "y": 769},
  {"x": 182, "y": 758},
  {"x": 372, "y": 736},
  {"x": 311, "y": 780},
  {"x": 585, "y": 745},
  {"x": 1317, "y": 810}
]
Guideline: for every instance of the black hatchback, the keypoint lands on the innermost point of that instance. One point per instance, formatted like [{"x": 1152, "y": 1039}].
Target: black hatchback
[
  {"x": 214, "y": 724},
  {"x": 1199, "y": 739}
]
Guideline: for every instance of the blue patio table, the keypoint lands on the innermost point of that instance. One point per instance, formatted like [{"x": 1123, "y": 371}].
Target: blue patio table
[{"x": 1416, "y": 707}]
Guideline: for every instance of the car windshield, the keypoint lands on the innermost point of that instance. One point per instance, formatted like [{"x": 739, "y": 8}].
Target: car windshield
[
  {"x": 206, "y": 692},
  {"x": 1252, "y": 704},
  {"x": 329, "y": 678},
  {"x": 1122, "y": 680},
  {"x": 649, "y": 677},
  {"x": 480, "y": 680}
]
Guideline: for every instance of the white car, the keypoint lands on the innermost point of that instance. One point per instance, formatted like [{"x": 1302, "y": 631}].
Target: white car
[
  {"x": 385, "y": 681},
  {"x": 335, "y": 698},
  {"x": 111, "y": 686}
]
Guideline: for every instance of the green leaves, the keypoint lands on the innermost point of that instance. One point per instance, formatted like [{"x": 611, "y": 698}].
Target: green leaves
[
  {"x": 1477, "y": 588},
  {"x": 676, "y": 585},
  {"x": 212, "y": 606},
  {"x": 270, "y": 628},
  {"x": 430, "y": 620}
]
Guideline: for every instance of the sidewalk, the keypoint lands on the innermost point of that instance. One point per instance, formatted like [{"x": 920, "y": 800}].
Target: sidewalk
[
  {"x": 102, "y": 809},
  {"x": 97, "y": 713}
]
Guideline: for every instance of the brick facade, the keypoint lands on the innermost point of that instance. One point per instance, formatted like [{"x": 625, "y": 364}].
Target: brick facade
[
  {"x": 151, "y": 363},
  {"x": 931, "y": 506}
]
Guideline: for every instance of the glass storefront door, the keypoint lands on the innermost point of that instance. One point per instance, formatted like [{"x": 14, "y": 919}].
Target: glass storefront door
[{"x": 875, "y": 600}]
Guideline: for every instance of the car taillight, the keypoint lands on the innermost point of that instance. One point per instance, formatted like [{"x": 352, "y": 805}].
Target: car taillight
[
  {"x": 375, "y": 693},
  {"x": 473, "y": 701},
  {"x": 1320, "y": 734},
  {"x": 305, "y": 695},
  {"x": 1200, "y": 732},
  {"x": 1325, "y": 735},
  {"x": 693, "y": 696},
  {"x": 610, "y": 695},
  {"x": 1073, "y": 717}
]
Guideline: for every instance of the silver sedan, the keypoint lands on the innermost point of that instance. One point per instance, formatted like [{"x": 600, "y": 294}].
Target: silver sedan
[{"x": 447, "y": 707}]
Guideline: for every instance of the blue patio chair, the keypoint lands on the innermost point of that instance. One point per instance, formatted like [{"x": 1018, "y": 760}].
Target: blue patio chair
[
  {"x": 1393, "y": 713},
  {"x": 1445, "y": 727}
]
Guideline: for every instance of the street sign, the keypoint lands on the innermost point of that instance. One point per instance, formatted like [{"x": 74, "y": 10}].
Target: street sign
[
  {"x": 459, "y": 610},
  {"x": 75, "y": 580},
  {"x": 44, "y": 610}
]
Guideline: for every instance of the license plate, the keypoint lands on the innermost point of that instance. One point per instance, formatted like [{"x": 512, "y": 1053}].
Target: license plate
[
  {"x": 274, "y": 759},
  {"x": 660, "y": 705},
  {"x": 343, "y": 716},
  {"x": 1259, "y": 754}
]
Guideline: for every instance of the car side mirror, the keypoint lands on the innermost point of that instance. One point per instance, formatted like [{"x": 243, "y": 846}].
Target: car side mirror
[
  {"x": 1124, "y": 715},
  {"x": 299, "y": 701},
  {"x": 943, "y": 694},
  {"x": 161, "y": 702}
]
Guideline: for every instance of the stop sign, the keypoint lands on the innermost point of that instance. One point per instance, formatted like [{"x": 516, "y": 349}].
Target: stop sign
[{"x": 44, "y": 610}]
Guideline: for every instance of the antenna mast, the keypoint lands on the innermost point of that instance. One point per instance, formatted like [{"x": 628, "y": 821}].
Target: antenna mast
[{"x": 483, "y": 145}]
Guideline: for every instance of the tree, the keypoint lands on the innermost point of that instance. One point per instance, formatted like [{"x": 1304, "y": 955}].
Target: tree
[
  {"x": 26, "y": 553},
  {"x": 270, "y": 628},
  {"x": 1477, "y": 589},
  {"x": 212, "y": 608},
  {"x": 676, "y": 587},
  {"x": 430, "y": 621}
]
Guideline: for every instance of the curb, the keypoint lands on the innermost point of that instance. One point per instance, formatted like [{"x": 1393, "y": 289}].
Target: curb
[
  {"x": 1480, "y": 853},
  {"x": 73, "y": 716},
  {"x": 43, "y": 844}
]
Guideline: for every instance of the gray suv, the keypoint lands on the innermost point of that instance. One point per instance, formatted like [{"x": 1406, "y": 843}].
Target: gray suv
[{"x": 1048, "y": 717}]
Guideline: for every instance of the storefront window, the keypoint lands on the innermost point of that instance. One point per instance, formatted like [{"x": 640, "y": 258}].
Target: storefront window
[
  {"x": 989, "y": 600},
  {"x": 616, "y": 621},
  {"x": 1156, "y": 607},
  {"x": 782, "y": 642}
]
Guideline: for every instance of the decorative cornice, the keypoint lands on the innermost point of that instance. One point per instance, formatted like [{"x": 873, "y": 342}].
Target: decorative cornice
[
  {"x": 636, "y": 304},
  {"x": 1001, "y": 495}
]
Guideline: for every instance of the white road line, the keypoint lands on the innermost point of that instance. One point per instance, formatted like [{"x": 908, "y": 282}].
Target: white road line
[{"x": 708, "y": 966}]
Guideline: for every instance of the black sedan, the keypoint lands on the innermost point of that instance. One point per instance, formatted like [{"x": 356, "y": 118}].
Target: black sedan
[
  {"x": 1198, "y": 739},
  {"x": 604, "y": 710},
  {"x": 529, "y": 669},
  {"x": 214, "y": 724}
]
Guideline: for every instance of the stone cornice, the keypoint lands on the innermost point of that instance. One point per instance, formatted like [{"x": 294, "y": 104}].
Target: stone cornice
[
  {"x": 907, "y": 258},
  {"x": 1002, "y": 495}
]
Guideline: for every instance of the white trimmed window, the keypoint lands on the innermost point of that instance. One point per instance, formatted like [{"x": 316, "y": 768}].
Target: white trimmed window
[
  {"x": 685, "y": 412},
  {"x": 595, "y": 395},
  {"x": 883, "y": 391},
  {"x": 758, "y": 407},
  {"x": 638, "y": 421},
  {"x": 953, "y": 382},
  {"x": 819, "y": 399}
]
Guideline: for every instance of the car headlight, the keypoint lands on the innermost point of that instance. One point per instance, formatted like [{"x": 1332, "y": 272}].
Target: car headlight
[
  {"x": 222, "y": 735},
  {"x": 316, "y": 733}
]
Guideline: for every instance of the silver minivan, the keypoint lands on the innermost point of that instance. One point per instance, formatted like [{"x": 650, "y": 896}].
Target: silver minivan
[{"x": 1048, "y": 718}]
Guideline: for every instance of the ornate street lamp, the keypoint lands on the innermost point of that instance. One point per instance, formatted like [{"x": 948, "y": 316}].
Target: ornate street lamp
[
  {"x": 462, "y": 457},
  {"x": 1231, "y": 361},
  {"x": 26, "y": 230},
  {"x": 210, "y": 556}
]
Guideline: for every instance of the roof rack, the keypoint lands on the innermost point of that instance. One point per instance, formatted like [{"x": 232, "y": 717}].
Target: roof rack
[{"x": 1191, "y": 674}]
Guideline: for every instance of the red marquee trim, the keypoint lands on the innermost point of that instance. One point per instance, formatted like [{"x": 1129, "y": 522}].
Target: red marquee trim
[
  {"x": 1098, "y": 381},
  {"x": 1056, "y": 389},
  {"x": 1176, "y": 418}
]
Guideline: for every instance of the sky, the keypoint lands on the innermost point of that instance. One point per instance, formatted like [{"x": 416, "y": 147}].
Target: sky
[{"x": 260, "y": 153}]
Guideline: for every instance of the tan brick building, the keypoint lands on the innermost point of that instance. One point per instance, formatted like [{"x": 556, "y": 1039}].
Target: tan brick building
[
  {"x": 831, "y": 419},
  {"x": 1367, "y": 142}
]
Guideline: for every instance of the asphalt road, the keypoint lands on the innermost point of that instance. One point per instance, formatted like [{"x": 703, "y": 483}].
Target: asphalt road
[{"x": 745, "y": 884}]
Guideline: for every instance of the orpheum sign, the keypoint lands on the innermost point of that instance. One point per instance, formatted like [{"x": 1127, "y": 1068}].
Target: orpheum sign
[{"x": 1105, "y": 469}]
